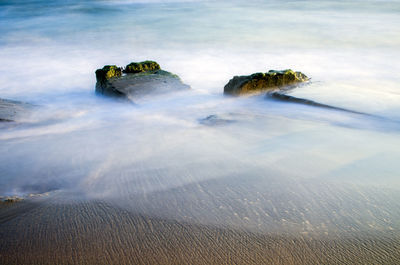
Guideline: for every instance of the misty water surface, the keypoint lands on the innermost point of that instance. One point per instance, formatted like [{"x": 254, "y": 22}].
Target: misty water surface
[{"x": 269, "y": 165}]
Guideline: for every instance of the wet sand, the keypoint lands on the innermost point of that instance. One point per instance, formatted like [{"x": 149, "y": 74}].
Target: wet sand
[{"x": 98, "y": 233}]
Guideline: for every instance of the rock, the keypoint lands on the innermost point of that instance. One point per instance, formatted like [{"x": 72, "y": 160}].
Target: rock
[
  {"x": 260, "y": 82},
  {"x": 136, "y": 80},
  {"x": 107, "y": 72},
  {"x": 291, "y": 99},
  {"x": 142, "y": 67},
  {"x": 215, "y": 120},
  {"x": 11, "y": 199},
  {"x": 11, "y": 110}
]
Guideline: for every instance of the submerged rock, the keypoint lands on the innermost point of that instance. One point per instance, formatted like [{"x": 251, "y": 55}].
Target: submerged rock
[
  {"x": 259, "y": 82},
  {"x": 136, "y": 80},
  {"x": 27, "y": 197},
  {"x": 291, "y": 99},
  {"x": 10, "y": 199},
  {"x": 215, "y": 120},
  {"x": 11, "y": 110}
]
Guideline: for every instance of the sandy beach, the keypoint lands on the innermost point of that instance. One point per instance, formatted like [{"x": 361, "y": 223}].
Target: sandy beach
[{"x": 54, "y": 231}]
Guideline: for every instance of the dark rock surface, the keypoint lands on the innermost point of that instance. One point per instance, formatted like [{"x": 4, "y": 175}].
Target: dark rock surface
[
  {"x": 136, "y": 80},
  {"x": 286, "y": 98},
  {"x": 260, "y": 82},
  {"x": 11, "y": 110},
  {"x": 10, "y": 199},
  {"x": 215, "y": 120}
]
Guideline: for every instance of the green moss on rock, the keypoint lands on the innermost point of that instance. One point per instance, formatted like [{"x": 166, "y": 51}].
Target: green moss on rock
[
  {"x": 259, "y": 82},
  {"x": 142, "y": 67},
  {"x": 137, "y": 80},
  {"x": 107, "y": 72}
]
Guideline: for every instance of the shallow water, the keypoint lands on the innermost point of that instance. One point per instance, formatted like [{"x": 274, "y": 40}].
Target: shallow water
[{"x": 272, "y": 165}]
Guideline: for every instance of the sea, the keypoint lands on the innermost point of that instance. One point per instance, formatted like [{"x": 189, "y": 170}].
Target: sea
[{"x": 199, "y": 156}]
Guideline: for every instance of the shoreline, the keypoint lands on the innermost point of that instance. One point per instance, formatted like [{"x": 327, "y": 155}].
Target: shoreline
[{"x": 97, "y": 233}]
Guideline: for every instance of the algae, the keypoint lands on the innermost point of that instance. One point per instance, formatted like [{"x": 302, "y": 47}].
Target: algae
[
  {"x": 259, "y": 82},
  {"x": 141, "y": 67},
  {"x": 107, "y": 72}
]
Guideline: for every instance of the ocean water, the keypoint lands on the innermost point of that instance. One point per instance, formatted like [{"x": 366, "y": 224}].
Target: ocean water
[{"x": 268, "y": 165}]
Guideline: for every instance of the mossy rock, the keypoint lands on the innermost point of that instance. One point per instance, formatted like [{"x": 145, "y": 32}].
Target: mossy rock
[
  {"x": 107, "y": 72},
  {"x": 260, "y": 82},
  {"x": 141, "y": 67},
  {"x": 136, "y": 80}
]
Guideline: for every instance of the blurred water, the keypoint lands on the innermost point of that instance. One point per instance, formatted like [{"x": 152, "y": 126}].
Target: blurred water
[{"x": 157, "y": 153}]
